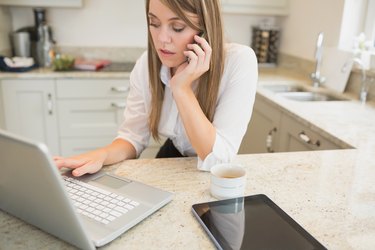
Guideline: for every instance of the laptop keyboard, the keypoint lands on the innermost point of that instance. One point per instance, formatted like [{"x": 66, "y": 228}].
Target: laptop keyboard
[{"x": 96, "y": 203}]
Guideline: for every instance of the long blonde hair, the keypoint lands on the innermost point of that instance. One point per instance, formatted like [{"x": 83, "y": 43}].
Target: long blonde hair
[{"x": 210, "y": 25}]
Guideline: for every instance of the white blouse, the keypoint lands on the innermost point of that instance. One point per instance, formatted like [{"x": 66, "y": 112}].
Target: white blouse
[{"x": 232, "y": 115}]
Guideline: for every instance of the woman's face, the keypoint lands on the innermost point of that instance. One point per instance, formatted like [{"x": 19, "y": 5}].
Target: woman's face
[{"x": 169, "y": 33}]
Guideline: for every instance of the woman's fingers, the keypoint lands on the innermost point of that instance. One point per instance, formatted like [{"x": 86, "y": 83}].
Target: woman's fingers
[
  {"x": 90, "y": 168},
  {"x": 68, "y": 162},
  {"x": 203, "y": 44}
]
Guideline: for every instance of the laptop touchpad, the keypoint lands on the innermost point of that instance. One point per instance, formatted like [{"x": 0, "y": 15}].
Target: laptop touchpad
[{"x": 111, "y": 181}]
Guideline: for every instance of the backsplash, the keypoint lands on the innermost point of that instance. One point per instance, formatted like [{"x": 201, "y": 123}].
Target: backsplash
[
  {"x": 117, "y": 54},
  {"x": 5, "y": 28},
  {"x": 6, "y": 52}
]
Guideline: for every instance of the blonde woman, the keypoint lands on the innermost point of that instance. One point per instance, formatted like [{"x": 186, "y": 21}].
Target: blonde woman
[{"x": 189, "y": 87}]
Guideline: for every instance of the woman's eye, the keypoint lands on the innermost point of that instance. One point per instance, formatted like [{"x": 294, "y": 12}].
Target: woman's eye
[
  {"x": 178, "y": 29},
  {"x": 154, "y": 25}
]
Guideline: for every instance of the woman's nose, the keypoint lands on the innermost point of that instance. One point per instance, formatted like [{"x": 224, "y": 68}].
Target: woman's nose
[{"x": 164, "y": 36}]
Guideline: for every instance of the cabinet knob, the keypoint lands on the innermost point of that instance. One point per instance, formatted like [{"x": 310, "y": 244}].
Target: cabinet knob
[
  {"x": 119, "y": 105},
  {"x": 120, "y": 89},
  {"x": 304, "y": 137},
  {"x": 49, "y": 104},
  {"x": 269, "y": 140}
]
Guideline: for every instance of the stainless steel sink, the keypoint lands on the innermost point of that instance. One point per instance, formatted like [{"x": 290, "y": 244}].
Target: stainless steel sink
[
  {"x": 311, "y": 96},
  {"x": 277, "y": 88},
  {"x": 302, "y": 93}
]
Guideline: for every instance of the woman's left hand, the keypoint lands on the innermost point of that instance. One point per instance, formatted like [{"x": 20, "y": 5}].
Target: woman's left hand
[{"x": 197, "y": 63}]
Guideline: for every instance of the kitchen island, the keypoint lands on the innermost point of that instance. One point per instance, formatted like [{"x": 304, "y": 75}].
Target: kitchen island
[{"x": 330, "y": 193}]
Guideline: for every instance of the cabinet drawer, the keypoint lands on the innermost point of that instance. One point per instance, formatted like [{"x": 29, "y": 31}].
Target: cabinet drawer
[
  {"x": 79, "y": 145},
  {"x": 296, "y": 136},
  {"x": 92, "y": 88},
  {"x": 90, "y": 117}
]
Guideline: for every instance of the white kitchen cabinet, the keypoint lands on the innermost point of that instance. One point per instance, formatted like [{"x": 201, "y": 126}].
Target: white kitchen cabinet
[
  {"x": 152, "y": 149},
  {"x": 71, "y": 116},
  {"x": 256, "y": 7},
  {"x": 29, "y": 110},
  {"x": 42, "y": 3},
  {"x": 271, "y": 129},
  {"x": 90, "y": 112},
  {"x": 263, "y": 131},
  {"x": 296, "y": 136}
]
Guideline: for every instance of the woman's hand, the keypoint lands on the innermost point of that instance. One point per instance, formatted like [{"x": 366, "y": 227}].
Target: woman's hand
[
  {"x": 82, "y": 164},
  {"x": 197, "y": 63},
  {"x": 93, "y": 161}
]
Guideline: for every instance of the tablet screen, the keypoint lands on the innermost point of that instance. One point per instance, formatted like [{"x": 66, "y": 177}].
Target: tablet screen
[{"x": 252, "y": 222}]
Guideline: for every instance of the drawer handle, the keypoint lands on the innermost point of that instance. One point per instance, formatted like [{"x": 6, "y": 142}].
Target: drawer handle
[
  {"x": 49, "y": 104},
  {"x": 119, "y": 105},
  {"x": 304, "y": 137},
  {"x": 269, "y": 139},
  {"x": 120, "y": 89}
]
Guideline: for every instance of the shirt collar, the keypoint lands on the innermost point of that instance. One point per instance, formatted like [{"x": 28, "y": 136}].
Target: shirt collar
[{"x": 165, "y": 75}]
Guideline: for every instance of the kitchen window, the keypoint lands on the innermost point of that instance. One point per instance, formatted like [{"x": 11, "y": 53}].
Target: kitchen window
[
  {"x": 358, "y": 16},
  {"x": 370, "y": 21}
]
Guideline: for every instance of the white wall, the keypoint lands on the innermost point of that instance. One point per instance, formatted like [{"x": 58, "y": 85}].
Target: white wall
[
  {"x": 5, "y": 27},
  {"x": 122, "y": 23},
  {"x": 115, "y": 23},
  {"x": 306, "y": 19}
]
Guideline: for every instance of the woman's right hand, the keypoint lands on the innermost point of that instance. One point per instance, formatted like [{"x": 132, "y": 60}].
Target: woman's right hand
[{"x": 90, "y": 162}]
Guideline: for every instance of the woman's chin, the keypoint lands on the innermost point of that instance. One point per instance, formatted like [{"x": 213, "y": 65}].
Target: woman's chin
[{"x": 171, "y": 63}]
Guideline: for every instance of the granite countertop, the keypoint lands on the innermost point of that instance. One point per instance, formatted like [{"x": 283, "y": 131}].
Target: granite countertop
[
  {"x": 114, "y": 70},
  {"x": 330, "y": 193}
]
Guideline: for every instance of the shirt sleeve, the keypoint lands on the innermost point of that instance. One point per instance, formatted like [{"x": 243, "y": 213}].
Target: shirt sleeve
[
  {"x": 234, "y": 107},
  {"x": 135, "y": 128}
]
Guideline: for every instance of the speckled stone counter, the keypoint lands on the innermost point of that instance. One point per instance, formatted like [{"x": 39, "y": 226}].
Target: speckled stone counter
[
  {"x": 330, "y": 193},
  {"x": 46, "y": 73}
]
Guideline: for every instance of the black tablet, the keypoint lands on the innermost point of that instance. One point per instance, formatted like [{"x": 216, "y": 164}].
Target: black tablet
[{"x": 252, "y": 222}]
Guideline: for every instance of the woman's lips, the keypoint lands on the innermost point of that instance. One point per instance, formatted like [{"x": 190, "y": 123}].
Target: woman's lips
[{"x": 165, "y": 52}]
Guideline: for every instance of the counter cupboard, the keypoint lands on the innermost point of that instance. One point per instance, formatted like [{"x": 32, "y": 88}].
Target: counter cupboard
[
  {"x": 71, "y": 116},
  {"x": 273, "y": 129}
]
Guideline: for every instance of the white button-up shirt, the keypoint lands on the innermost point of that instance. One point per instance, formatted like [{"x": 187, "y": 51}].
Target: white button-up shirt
[{"x": 232, "y": 115}]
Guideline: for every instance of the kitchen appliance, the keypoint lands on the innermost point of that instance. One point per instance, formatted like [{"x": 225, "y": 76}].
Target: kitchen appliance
[
  {"x": 44, "y": 46},
  {"x": 21, "y": 44},
  {"x": 44, "y": 43},
  {"x": 265, "y": 43},
  {"x": 41, "y": 39}
]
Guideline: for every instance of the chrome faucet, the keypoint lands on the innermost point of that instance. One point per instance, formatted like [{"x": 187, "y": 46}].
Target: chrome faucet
[
  {"x": 317, "y": 78},
  {"x": 364, "y": 86}
]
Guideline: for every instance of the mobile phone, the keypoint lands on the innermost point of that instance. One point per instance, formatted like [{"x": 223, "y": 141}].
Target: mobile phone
[{"x": 202, "y": 34}]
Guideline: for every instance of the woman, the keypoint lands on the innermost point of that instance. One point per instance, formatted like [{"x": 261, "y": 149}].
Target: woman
[{"x": 189, "y": 87}]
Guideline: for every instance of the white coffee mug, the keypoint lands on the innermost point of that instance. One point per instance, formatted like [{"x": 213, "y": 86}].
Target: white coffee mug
[{"x": 227, "y": 181}]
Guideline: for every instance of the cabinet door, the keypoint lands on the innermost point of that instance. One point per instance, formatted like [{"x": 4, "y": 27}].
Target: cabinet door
[
  {"x": 152, "y": 149},
  {"x": 29, "y": 110},
  {"x": 295, "y": 136},
  {"x": 262, "y": 134},
  {"x": 256, "y": 7}
]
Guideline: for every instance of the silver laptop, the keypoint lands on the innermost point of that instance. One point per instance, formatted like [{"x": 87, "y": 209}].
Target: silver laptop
[{"x": 32, "y": 189}]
